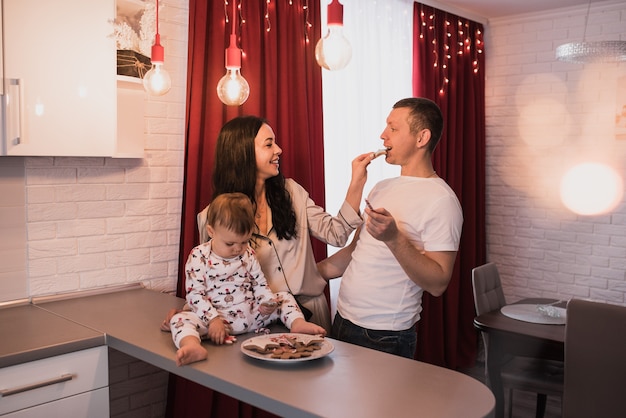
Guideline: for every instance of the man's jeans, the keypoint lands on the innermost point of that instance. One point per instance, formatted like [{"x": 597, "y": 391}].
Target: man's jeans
[{"x": 400, "y": 343}]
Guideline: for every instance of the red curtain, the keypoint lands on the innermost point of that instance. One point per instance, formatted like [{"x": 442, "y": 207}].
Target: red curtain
[
  {"x": 449, "y": 68},
  {"x": 285, "y": 87},
  {"x": 278, "y": 41}
]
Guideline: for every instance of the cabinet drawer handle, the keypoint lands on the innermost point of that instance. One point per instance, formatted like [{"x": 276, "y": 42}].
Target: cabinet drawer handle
[
  {"x": 25, "y": 388},
  {"x": 14, "y": 114}
]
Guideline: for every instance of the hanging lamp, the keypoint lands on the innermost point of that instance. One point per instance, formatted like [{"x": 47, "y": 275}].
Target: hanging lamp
[
  {"x": 157, "y": 81},
  {"x": 591, "y": 52},
  {"x": 233, "y": 89},
  {"x": 334, "y": 51}
]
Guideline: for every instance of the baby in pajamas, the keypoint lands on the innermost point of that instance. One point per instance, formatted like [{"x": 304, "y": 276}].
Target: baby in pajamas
[{"x": 227, "y": 293}]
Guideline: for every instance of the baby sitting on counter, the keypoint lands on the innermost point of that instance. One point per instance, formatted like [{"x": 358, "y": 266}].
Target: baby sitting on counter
[{"x": 227, "y": 293}]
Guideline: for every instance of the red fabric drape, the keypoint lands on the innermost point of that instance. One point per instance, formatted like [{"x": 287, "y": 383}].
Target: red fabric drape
[
  {"x": 278, "y": 41},
  {"x": 285, "y": 87},
  {"x": 449, "y": 47}
]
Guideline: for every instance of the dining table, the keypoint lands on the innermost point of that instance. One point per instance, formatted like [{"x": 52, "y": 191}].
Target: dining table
[{"x": 515, "y": 337}]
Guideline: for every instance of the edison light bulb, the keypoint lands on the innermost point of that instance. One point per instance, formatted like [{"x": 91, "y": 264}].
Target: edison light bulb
[
  {"x": 233, "y": 89},
  {"x": 157, "y": 81},
  {"x": 333, "y": 51}
]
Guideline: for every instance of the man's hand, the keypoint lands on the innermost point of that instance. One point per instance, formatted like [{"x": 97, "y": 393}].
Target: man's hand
[
  {"x": 429, "y": 270},
  {"x": 380, "y": 224}
]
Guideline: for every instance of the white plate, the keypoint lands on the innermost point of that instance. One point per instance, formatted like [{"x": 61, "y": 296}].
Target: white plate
[
  {"x": 326, "y": 347},
  {"x": 533, "y": 313}
]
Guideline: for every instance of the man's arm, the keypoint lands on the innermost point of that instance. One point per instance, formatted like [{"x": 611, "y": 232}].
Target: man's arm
[
  {"x": 335, "y": 265},
  {"x": 431, "y": 271}
]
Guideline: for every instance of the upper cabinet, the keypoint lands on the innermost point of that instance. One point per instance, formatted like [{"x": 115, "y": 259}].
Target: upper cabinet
[{"x": 61, "y": 94}]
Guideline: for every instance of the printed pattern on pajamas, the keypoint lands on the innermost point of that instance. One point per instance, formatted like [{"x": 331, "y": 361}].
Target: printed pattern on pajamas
[{"x": 232, "y": 289}]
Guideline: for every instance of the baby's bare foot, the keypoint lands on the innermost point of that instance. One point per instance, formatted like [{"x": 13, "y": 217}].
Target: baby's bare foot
[
  {"x": 301, "y": 326},
  {"x": 190, "y": 354}
]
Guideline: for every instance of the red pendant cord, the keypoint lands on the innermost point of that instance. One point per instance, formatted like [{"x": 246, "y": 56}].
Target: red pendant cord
[
  {"x": 158, "y": 52},
  {"x": 232, "y": 31},
  {"x": 157, "y": 17},
  {"x": 233, "y": 54}
]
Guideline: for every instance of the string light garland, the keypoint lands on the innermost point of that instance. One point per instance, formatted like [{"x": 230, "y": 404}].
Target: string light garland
[
  {"x": 468, "y": 43},
  {"x": 307, "y": 25},
  {"x": 266, "y": 15}
]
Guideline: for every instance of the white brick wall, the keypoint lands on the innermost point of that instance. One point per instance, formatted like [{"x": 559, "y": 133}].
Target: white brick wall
[
  {"x": 97, "y": 222},
  {"x": 542, "y": 117}
]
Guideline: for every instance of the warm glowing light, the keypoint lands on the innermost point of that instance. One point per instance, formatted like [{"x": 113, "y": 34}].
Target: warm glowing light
[
  {"x": 157, "y": 81},
  {"x": 591, "y": 189},
  {"x": 233, "y": 89},
  {"x": 334, "y": 51},
  {"x": 542, "y": 123}
]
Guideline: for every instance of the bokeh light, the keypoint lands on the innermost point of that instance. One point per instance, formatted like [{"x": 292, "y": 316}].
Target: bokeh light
[
  {"x": 543, "y": 123},
  {"x": 591, "y": 189}
]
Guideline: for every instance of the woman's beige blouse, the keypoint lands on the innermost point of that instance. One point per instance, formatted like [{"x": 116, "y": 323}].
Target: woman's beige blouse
[{"x": 292, "y": 260}]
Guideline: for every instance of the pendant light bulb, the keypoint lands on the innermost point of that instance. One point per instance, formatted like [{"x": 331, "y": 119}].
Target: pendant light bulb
[
  {"x": 334, "y": 51},
  {"x": 157, "y": 81},
  {"x": 233, "y": 89}
]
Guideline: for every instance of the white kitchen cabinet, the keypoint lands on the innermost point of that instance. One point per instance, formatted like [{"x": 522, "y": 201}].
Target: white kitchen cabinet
[
  {"x": 94, "y": 404},
  {"x": 68, "y": 385},
  {"x": 60, "y": 83}
]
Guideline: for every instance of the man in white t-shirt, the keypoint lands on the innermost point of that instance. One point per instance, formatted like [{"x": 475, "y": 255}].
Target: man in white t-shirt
[{"x": 408, "y": 243}]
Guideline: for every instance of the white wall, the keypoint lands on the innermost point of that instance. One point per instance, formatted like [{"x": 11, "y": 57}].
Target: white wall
[
  {"x": 543, "y": 116},
  {"x": 97, "y": 222}
]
